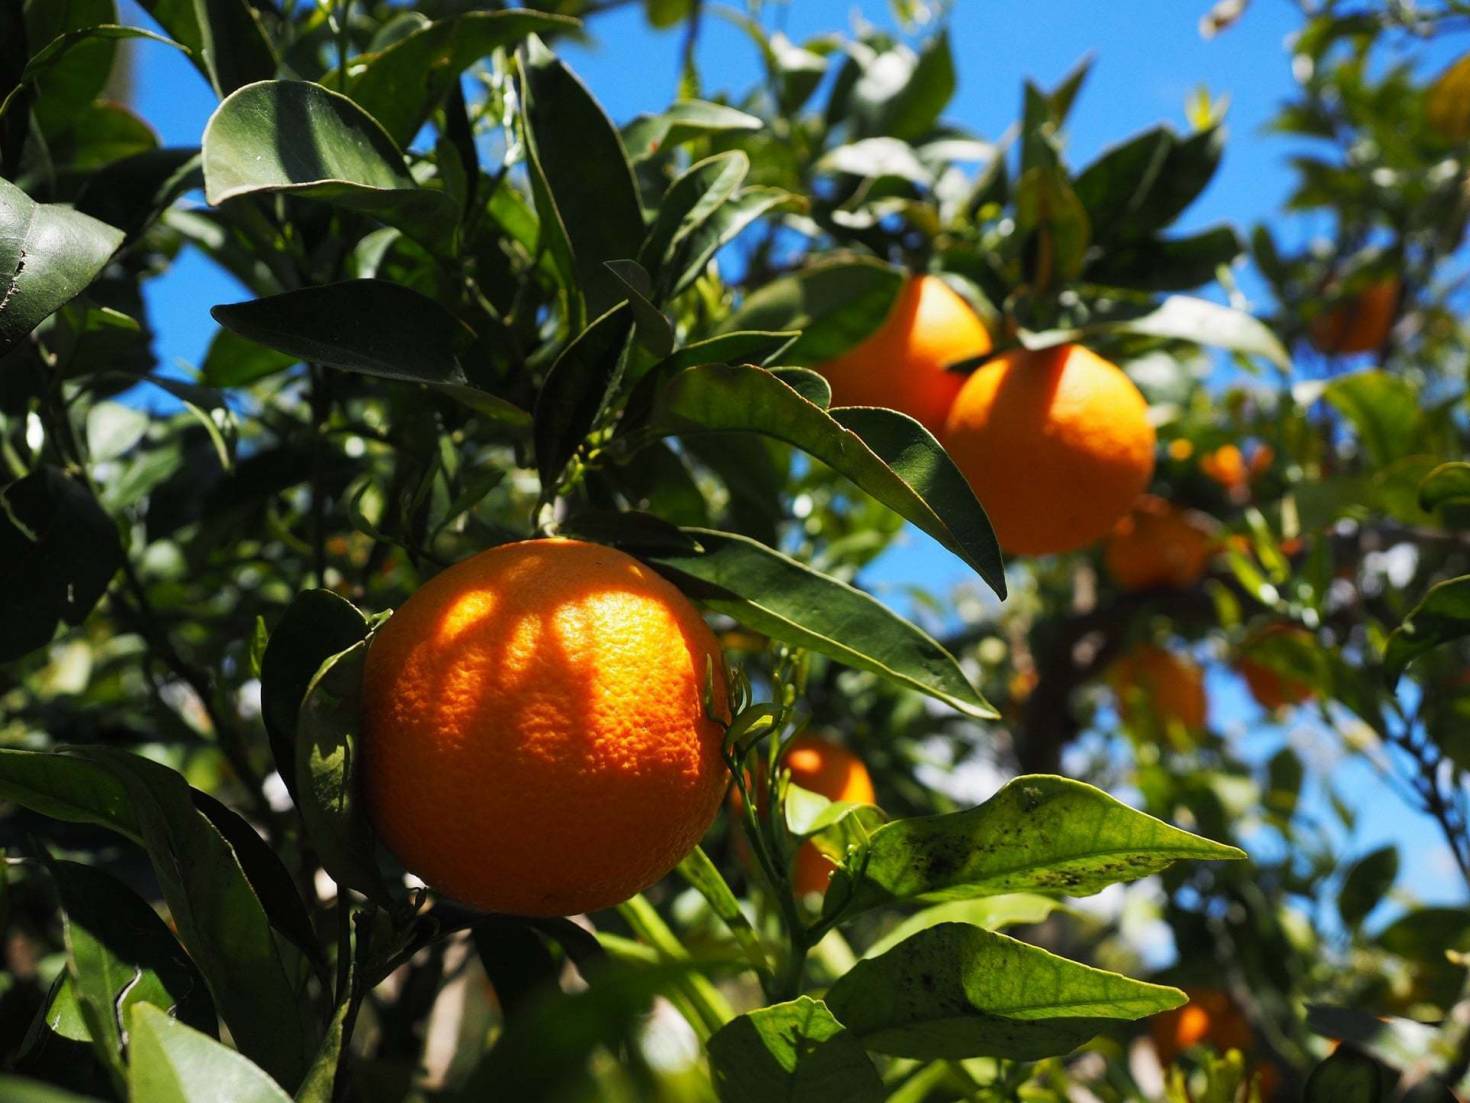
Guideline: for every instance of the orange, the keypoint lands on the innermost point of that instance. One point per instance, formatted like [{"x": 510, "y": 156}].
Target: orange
[
  {"x": 1169, "y": 686},
  {"x": 535, "y": 738},
  {"x": 1272, "y": 689},
  {"x": 1056, "y": 444},
  {"x": 1447, "y": 106},
  {"x": 1360, "y": 324},
  {"x": 1226, "y": 466},
  {"x": 1209, "y": 1018},
  {"x": 835, "y": 773},
  {"x": 1157, "y": 544},
  {"x": 902, "y": 365}
]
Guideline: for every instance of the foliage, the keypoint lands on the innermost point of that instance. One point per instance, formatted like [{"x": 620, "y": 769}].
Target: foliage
[{"x": 479, "y": 310}]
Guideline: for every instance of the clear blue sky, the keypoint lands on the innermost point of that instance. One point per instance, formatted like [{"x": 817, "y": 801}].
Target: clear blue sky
[{"x": 1149, "y": 59}]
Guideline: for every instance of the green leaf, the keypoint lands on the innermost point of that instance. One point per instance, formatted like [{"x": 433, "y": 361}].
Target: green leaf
[
  {"x": 582, "y": 183},
  {"x": 1188, "y": 167},
  {"x": 327, "y": 755},
  {"x": 704, "y": 876},
  {"x": 256, "y": 985},
  {"x": 684, "y": 121},
  {"x": 919, "y": 460},
  {"x": 1347, "y": 1076},
  {"x": 1047, "y": 207},
  {"x": 991, "y": 912},
  {"x": 300, "y": 138},
  {"x": 57, "y": 50},
  {"x": 1385, "y": 411},
  {"x": 1367, "y": 882},
  {"x": 402, "y": 83},
  {"x": 18, "y": 1089},
  {"x": 60, "y": 551},
  {"x": 875, "y": 158},
  {"x": 796, "y": 1052},
  {"x": 372, "y": 327},
  {"x": 235, "y": 361},
  {"x": 1180, "y": 317},
  {"x": 956, "y": 991},
  {"x": 901, "y": 94},
  {"x": 132, "y": 192},
  {"x": 56, "y": 96},
  {"x": 813, "y": 387},
  {"x": 1167, "y": 264},
  {"x": 49, "y": 254},
  {"x": 721, "y": 398},
  {"x": 224, "y": 39},
  {"x": 1443, "y": 616},
  {"x": 316, "y": 625},
  {"x": 652, "y": 329},
  {"x": 689, "y": 202},
  {"x": 739, "y": 347},
  {"x": 693, "y": 253},
  {"x": 789, "y": 601},
  {"x": 119, "y": 953},
  {"x": 1116, "y": 185},
  {"x": 833, "y": 305},
  {"x": 1038, "y": 834},
  {"x": 575, "y": 390},
  {"x": 173, "y": 1063},
  {"x": 1449, "y": 482},
  {"x": 112, "y": 429}
]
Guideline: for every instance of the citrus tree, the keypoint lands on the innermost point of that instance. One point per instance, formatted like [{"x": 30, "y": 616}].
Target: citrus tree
[{"x": 464, "y": 685}]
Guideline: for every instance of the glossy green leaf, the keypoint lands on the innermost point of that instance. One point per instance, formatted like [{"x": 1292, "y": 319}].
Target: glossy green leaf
[
  {"x": 372, "y": 327},
  {"x": 1188, "y": 168},
  {"x": 956, "y": 991},
  {"x": 721, "y": 398},
  {"x": 575, "y": 390},
  {"x": 328, "y": 748},
  {"x": 689, "y": 201},
  {"x": 693, "y": 252},
  {"x": 684, "y": 120},
  {"x": 173, "y": 1063},
  {"x": 224, "y": 39},
  {"x": 1368, "y": 880},
  {"x": 583, "y": 185},
  {"x": 738, "y": 347},
  {"x": 833, "y": 305},
  {"x": 1449, "y": 482},
  {"x": 794, "y": 1052},
  {"x": 1116, "y": 185},
  {"x": 789, "y": 601},
  {"x": 994, "y": 913},
  {"x": 316, "y": 625},
  {"x": 60, "y": 551},
  {"x": 402, "y": 83},
  {"x": 1038, "y": 834},
  {"x": 256, "y": 981},
  {"x": 1443, "y": 616},
  {"x": 813, "y": 387},
  {"x": 59, "y": 29},
  {"x": 300, "y": 138},
  {"x": 49, "y": 254},
  {"x": 119, "y": 953}
]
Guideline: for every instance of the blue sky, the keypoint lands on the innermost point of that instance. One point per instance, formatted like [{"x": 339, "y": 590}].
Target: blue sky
[{"x": 1149, "y": 59}]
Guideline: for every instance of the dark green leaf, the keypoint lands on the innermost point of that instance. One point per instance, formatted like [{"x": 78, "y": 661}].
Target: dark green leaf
[
  {"x": 689, "y": 202},
  {"x": 373, "y": 327},
  {"x": 517, "y": 961},
  {"x": 683, "y": 121},
  {"x": 956, "y": 991},
  {"x": 1449, "y": 482},
  {"x": 236, "y": 361},
  {"x": 575, "y": 389},
  {"x": 1367, "y": 881},
  {"x": 300, "y": 138},
  {"x": 833, "y": 305},
  {"x": 119, "y": 953},
  {"x": 813, "y": 387},
  {"x": 327, "y": 785},
  {"x": 60, "y": 551},
  {"x": 49, "y": 254},
  {"x": 795, "y": 1052},
  {"x": 1167, "y": 264},
  {"x": 1188, "y": 167},
  {"x": 224, "y": 38},
  {"x": 723, "y": 398},
  {"x": 60, "y": 29},
  {"x": 1117, "y": 184},
  {"x": 18, "y": 1089},
  {"x": 789, "y": 601},
  {"x": 173, "y": 1063},
  {"x": 402, "y": 83},
  {"x": 653, "y": 330},
  {"x": 584, "y": 188},
  {"x": 1442, "y": 616},
  {"x": 1348, "y": 1076},
  {"x": 692, "y": 252},
  {"x": 316, "y": 625},
  {"x": 1038, "y": 834},
  {"x": 740, "y": 347}
]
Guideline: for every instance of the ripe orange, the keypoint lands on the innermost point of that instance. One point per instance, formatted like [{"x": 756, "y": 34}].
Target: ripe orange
[
  {"x": 835, "y": 773},
  {"x": 1209, "y": 1018},
  {"x": 1360, "y": 324},
  {"x": 1447, "y": 105},
  {"x": 1056, "y": 444},
  {"x": 1226, "y": 466},
  {"x": 535, "y": 737},
  {"x": 902, "y": 365},
  {"x": 1271, "y": 689},
  {"x": 1170, "y": 687},
  {"x": 1157, "y": 544}
]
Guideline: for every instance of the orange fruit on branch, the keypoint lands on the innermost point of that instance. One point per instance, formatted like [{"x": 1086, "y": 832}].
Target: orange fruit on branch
[
  {"x": 834, "y": 772},
  {"x": 1056, "y": 444},
  {"x": 1360, "y": 323},
  {"x": 902, "y": 365},
  {"x": 1210, "y": 1018},
  {"x": 1157, "y": 544},
  {"x": 1272, "y": 688},
  {"x": 535, "y": 734},
  {"x": 1170, "y": 687}
]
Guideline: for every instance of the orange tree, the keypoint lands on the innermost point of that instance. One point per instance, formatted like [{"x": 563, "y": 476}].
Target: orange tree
[{"x": 492, "y": 374}]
